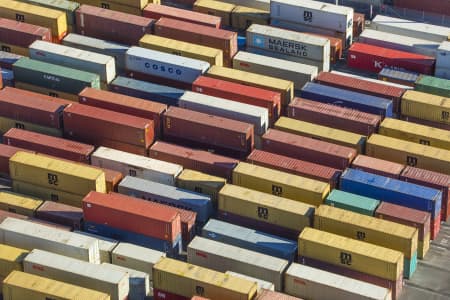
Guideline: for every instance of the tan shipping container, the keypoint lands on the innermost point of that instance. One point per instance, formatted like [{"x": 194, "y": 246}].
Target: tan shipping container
[
  {"x": 216, "y": 8},
  {"x": 426, "y": 106},
  {"x": 19, "y": 204},
  {"x": 7, "y": 123},
  {"x": 11, "y": 259},
  {"x": 242, "y": 17}
]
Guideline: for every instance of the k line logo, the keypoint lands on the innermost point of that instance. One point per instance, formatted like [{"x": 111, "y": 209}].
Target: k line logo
[{"x": 378, "y": 64}]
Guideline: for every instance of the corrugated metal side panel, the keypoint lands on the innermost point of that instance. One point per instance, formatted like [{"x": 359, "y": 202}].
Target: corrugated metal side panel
[
  {"x": 433, "y": 85},
  {"x": 11, "y": 259},
  {"x": 377, "y": 166},
  {"x": 20, "y": 204},
  {"x": 426, "y": 106},
  {"x": 352, "y": 202}
]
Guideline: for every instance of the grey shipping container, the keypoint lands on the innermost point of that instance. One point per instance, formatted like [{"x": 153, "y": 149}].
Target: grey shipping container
[
  {"x": 105, "y": 245},
  {"x": 139, "y": 282}
]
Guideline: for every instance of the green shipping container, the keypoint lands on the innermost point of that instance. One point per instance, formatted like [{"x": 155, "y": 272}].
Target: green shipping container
[
  {"x": 69, "y": 7},
  {"x": 433, "y": 85},
  {"x": 352, "y": 202},
  {"x": 54, "y": 77}
]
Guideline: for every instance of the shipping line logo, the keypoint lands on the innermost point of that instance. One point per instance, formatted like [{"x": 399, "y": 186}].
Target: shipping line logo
[
  {"x": 163, "y": 69},
  {"x": 281, "y": 46}
]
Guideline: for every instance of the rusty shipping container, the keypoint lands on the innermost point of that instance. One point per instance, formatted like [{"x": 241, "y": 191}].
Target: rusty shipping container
[
  {"x": 377, "y": 166},
  {"x": 62, "y": 214}
]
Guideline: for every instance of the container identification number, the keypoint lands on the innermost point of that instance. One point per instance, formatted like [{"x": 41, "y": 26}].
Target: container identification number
[
  {"x": 52, "y": 179},
  {"x": 346, "y": 258}
]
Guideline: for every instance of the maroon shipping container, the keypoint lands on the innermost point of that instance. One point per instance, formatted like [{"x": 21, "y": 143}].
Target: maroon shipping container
[
  {"x": 112, "y": 25},
  {"x": 112, "y": 179},
  {"x": 50, "y": 145},
  {"x": 31, "y": 107},
  {"x": 240, "y": 93},
  {"x": 198, "y": 160},
  {"x": 264, "y": 294},
  {"x": 333, "y": 116},
  {"x": 125, "y": 104},
  {"x": 363, "y": 86},
  {"x": 6, "y": 214},
  {"x": 61, "y": 214},
  {"x": 426, "y": 122},
  {"x": 377, "y": 166},
  {"x": 92, "y": 125},
  {"x": 359, "y": 22},
  {"x": 441, "y": 7},
  {"x": 157, "y": 11},
  {"x": 163, "y": 295},
  {"x": 295, "y": 166},
  {"x": 406, "y": 216},
  {"x": 224, "y": 40},
  {"x": 132, "y": 214},
  {"x": 435, "y": 228},
  {"x": 432, "y": 180},
  {"x": 6, "y": 152},
  {"x": 374, "y": 59},
  {"x": 22, "y": 34},
  {"x": 223, "y": 135},
  {"x": 308, "y": 149}
]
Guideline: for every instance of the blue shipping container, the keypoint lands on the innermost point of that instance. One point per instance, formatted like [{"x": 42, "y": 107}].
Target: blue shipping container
[
  {"x": 399, "y": 75},
  {"x": 392, "y": 191},
  {"x": 345, "y": 98}
]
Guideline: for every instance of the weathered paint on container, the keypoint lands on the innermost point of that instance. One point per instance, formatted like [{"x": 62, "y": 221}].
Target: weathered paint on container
[
  {"x": 426, "y": 106},
  {"x": 201, "y": 183},
  {"x": 61, "y": 214},
  {"x": 11, "y": 259},
  {"x": 20, "y": 204},
  {"x": 377, "y": 166},
  {"x": 21, "y": 34},
  {"x": 215, "y": 8},
  {"x": 352, "y": 202},
  {"x": 242, "y": 17},
  {"x": 433, "y": 85}
]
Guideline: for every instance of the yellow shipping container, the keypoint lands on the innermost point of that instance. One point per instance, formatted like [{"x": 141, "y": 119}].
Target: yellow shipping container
[
  {"x": 280, "y": 183},
  {"x": 323, "y": 133},
  {"x": 56, "y": 20},
  {"x": 211, "y": 55},
  {"x": 286, "y": 88},
  {"x": 14, "y": 49},
  {"x": 265, "y": 207},
  {"x": 11, "y": 259},
  {"x": 56, "y": 174},
  {"x": 368, "y": 229},
  {"x": 416, "y": 133},
  {"x": 46, "y": 91},
  {"x": 140, "y": 4},
  {"x": 242, "y": 17},
  {"x": 411, "y": 154},
  {"x": 423, "y": 246},
  {"x": 201, "y": 183},
  {"x": 426, "y": 106},
  {"x": 20, "y": 204},
  {"x": 352, "y": 254},
  {"x": 186, "y": 280},
  {"x": 25, "y": 286},
  {"x": 115, "y": 5},
  {"x": 215, "y": 8},
  {"x": 7, "y": 123}
]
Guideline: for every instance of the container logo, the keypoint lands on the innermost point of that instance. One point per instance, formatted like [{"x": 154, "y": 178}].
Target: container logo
[
  {"x": 20, "y": 18},
  {"x": 258, "y": 41},
  {"x": 360, "y": 235},
  {"x": 51, "y": 77},
  {"x": 378, "y": 64},
  {"x": 445, "y": 115},
  {"x": 424, "y": 142},
  {"x": 263, "y": 212},
  {"x": 288, "y": 47},
  {"x": 199, "y": 290},
  {"x": 307, "y": 16},
  {"x": 52, "y": 179},
  {"x": 6, "y": 48},
  {"x": 277, "y": 190},
  {"x": 164, "y": 69},
  {"x": 346, "y": 258},
  {"x": 411, "y": 161}
]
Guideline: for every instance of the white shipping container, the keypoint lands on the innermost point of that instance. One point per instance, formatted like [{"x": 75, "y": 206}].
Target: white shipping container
[
  {"x": 28, "y": 235},
  {"x": 139, "y": 282},
  {"x": 299, "y": 73},
  {"x": 399, "y": 42},
  {"x": 311, "y": 283},
  {"x": 314, "y": 13},
  {"x": 258, "y": 116},
  {"x": 136, "y": 257},
  {"x": 160, "y": 64},
  {"x": 262, "y": 284},
  {"x": 223, "y": 257},
  {"x": 406, "y": 87},
  {"x": 88, "y": 61},
  {"x": 410, "y": 28},
  {"x": 136, "y": 165},
  {"x": 258, "y": 4},
  {"x": 443, "y": 56},
  {"x": 77, "y": 272},
  {"x": 105, "y": 245}
]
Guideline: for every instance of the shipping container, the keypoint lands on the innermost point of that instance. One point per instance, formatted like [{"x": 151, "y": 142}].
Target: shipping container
[
  {"x": 261, "y": 211},
  {"x": 6, "y": 152},
  {"x": 400, "y": 76},
  {"x": 405, "y": 87},
  {"x": 312, "y": 283},
  {"x": 308, "y": 149},
  {"x": 352, "y": 202},
  {"x": 116, "y": 6},
  {"x": 250, "y": 239},
  {"x": 442, "y": 64},
  {"x": 7, "y": 214},
  {"x": 433, "y": 85},
  {"x": 45, "y": 144},
  {"x": 349, "y": 99},
  {"x": 223, "y": 257},
  {"x": 426, "y": 106},
  {"x": 242, "y": 17},
  {"x": 408, "y": 153},
  {"x": 7, "y": 59},
  {"x": 138, "y": 4},
  {"x": 359, "y": 21},
  {"x": 201, "y": 183},
  {"x": 69, "y": 7},
  {"x": 11, "y": 259},
  {"x": 139, "y": 281},
  {"x": 21, "y": 34},
  {"x": 20, "y": 204},
  {"x": 105, "y": 245},
  {"x": 190, "y": 158},
  {"x": 56, "y": 20},
  {"x": 136, "y": 165},
  {"x": 169, "y": 195},
  {"x": 199, "y": 34},
  {"x": 7, "y": 123},
  {"x": 47, "y": 91},
  {"x": 377, "y": 166},
  {"x": 262, "y": 284},
  {"x": 21, "y": 285},
  {"x": 28, "y": 235},
  {"x": 61, "y": 214},
  {"x": 56, "y": 174},
  {"x": 224, "y": 136},
  {"x": 112, "y": 25},
  {"x": 96, "y": 277},
  {"x": 7, "y": 77},
  {"x": 336, "y": 47},
  {"x": 215, "y": 8},
  {"x": 264, "y": 294},
  {"x": 410, "y": 28},
  {"x": 112, "y": 178},
  {"x": 258, "y": 4}
]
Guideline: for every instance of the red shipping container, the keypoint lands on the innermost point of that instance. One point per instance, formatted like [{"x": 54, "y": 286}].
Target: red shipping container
[
  {"x": 295, "y": 166},
  {"x": 31, "y": 107},
  {"x": 432, "y": 180},
  {"x": 264, "y": 294},
  {"x": 240, "y": 93},
  {"x": 435, "y": 228},
  {"x": 198, "y": 160},
  {"x": 378, "y": 166},
  {"x": 61, "y": 214},
  {"x": 112, "y": 179},
  {"x": 6, "y": 152},
  {"x": 334, "y": 116},
  {"x": 125, "y": 104},
  {"x": 163, "y": 295},
  {"x": 157, "y": 11},
  {"x": 441, "y": 7},
  {"x": 374, "y": 59},
  {"x": 426, "y": 122},
  {"x": 132, "y": 214},
  {"x": 139, "y": 150},
  {"x": 50, "y": 145},
  {"x": 87, "y": 123},
  {"x": 363, "y": 86},
  {"x": 22, "y": 34},
  {"x": 308, "y": 149},
  {"x": 223, "y": 135},
  {"x": 224, "y": 40},
  {"x": 112, "y": 25},
  {"x": 359, "y": 21}
]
